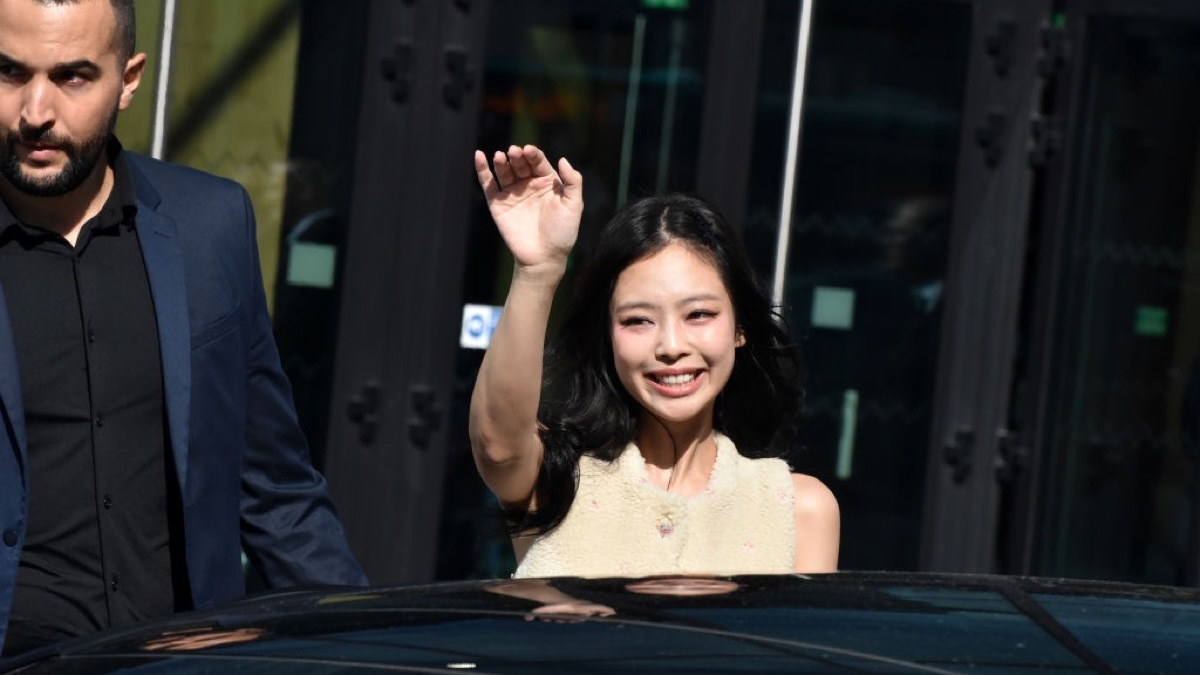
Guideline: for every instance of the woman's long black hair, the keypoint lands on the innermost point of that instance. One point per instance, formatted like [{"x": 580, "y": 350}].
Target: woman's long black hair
[{"x": 584, "y": 406}]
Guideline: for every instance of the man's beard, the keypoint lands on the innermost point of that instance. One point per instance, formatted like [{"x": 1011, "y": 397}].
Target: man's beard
[{"x": 82, "y": 158}]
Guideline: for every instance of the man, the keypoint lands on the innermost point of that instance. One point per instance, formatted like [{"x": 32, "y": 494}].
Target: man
[{"x": 147, "y": 433}]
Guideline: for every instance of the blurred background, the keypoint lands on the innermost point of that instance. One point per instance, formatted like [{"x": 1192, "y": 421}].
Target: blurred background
[{"x": 980, "y": 217}]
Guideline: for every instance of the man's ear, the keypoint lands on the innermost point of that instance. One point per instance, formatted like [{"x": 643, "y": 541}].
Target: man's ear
[
  {"x": 131, "y": 78},
  {"x": 740, "y": 339}
]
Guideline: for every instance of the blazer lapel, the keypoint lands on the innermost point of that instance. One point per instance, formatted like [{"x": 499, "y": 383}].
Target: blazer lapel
[
  {"x": 163, "y": 255},
  {"x": 11, "y": 407}
]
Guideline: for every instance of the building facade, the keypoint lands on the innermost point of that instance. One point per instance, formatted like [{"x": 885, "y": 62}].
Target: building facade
[{"x": 980, "y": 217}]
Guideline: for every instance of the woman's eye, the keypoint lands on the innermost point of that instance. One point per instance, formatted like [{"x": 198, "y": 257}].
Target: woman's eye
[
  {"x": 635, "y": 321},
  {"x": 701, "y": 314}
]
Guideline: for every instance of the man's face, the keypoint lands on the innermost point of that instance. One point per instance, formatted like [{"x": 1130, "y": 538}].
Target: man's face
[{"x": 62, "y": 82}]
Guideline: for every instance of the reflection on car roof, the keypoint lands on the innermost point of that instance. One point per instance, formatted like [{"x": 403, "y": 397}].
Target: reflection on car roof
[{"x": 846, "y": 622}]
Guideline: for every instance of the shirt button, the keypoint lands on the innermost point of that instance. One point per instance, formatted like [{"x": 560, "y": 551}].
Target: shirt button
[
  {"x": 91, "y": 336},
  {"x": 10, "y": 537},
  {"x": 99, "y": 420},
  {"x": 114, "y": 583},
  {"x": 107, "y": 502}
]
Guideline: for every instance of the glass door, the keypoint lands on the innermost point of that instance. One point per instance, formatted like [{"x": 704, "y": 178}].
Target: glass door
[
  {"x": 865, "y": 280},
  {"x": 1117, "y": 491}
]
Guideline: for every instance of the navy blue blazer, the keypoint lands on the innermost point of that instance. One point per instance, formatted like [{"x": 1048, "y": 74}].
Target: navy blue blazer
[{"x": 241, "y": 459}]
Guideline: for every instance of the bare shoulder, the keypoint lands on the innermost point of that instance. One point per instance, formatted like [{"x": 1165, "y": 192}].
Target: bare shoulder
[
  {"x": 812, "y": 499},
  {"x": 818, "y": 525}
]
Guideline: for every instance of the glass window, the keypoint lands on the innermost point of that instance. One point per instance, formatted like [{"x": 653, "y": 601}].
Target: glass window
[
  {"x": 1120, "y": 488},
  {"x": 230, "y": 102},
  {"x": 866, "y": 266},
  {"x": 266, "y": 92}
]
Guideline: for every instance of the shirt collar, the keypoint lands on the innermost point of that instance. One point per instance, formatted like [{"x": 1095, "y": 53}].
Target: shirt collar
[{"x": 121, "y": 206}]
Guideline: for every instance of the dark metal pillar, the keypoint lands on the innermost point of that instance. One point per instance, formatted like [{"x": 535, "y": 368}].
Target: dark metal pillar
[
  {"x": 400, "y": 310},
  {"x": 987, "y": 259}
]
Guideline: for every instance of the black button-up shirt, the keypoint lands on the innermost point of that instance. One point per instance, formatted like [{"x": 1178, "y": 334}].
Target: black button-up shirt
[{"x": 103, "y": 544}]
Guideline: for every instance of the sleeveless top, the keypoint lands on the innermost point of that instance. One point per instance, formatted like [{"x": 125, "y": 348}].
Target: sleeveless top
[{"x": 621, "y": 524}]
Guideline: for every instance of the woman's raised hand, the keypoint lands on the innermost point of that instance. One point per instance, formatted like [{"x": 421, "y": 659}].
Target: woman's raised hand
[{"x": 536, "y": 209}]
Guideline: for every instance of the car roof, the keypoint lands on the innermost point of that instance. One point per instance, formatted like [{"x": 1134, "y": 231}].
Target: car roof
[{"x": 844, "y": 622}]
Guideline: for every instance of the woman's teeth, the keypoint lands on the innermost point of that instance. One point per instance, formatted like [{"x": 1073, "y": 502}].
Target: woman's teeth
[{"x": 676, "y": 380}]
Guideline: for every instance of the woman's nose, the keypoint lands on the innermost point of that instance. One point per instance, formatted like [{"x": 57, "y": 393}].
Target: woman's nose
[{"x": 672, "y": 342}]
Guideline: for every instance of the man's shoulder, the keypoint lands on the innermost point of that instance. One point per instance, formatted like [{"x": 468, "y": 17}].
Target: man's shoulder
[
  {"x": 168, "y": 176},
  {"x": 201, "y": 204}
]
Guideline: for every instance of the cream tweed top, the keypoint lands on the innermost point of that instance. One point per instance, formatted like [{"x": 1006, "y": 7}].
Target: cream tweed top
[{"x": 621, "y": 524}]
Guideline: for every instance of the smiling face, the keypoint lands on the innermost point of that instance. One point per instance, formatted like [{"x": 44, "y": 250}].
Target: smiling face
[
  {"x": 674, "y": 334},
  {"x": 62, "y": 82}
]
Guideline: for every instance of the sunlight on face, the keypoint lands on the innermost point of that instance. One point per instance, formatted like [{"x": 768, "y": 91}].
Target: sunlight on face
[{"x": 674, "y": 334}]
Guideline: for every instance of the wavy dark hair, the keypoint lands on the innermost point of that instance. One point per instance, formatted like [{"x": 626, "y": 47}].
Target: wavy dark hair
[{"x": 584, "y": 406}]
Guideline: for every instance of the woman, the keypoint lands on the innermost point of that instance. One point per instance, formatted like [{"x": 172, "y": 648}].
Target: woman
[{"x": 671, "y": 370}]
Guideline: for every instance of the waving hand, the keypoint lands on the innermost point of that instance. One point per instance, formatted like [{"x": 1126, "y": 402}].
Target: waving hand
[{"x": 536, "y": 209}]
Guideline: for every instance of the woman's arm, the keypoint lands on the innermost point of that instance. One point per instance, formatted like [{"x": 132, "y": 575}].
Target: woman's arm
[
  {"x": 537, "y": 211},
  {"x": 818, "y": 525}
]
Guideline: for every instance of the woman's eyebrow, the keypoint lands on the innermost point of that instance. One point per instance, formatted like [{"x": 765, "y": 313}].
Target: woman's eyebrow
[
  {"x": 634, "y": 304},
  {"x": 700, "y": 297},
  {"x": 646, "y": 304}
]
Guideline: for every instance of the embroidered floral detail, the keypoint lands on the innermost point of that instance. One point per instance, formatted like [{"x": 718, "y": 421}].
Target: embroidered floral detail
[
  {"x": 595, "y": 505},
  {"x": 783, "y": 496},
  {"x": 665, "y": 529},
  {"x": 623, "y": 568},
  {"x": 749, "y": 546}
]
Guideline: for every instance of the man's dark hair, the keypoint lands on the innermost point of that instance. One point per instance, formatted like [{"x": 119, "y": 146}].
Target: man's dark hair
[
  {"x": 125, "y": 38},
  {"x": 126, "y": 35}
]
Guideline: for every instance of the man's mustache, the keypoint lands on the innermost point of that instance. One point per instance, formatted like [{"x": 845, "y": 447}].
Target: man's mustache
[{"x": 27, "y": 133}]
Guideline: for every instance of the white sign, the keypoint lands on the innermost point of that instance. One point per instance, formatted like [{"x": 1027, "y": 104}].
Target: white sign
[{"x": 478, "y": 324}]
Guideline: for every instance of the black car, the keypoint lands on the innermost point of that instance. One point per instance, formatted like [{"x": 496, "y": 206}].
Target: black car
[{"x": 849, "y": 622}]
